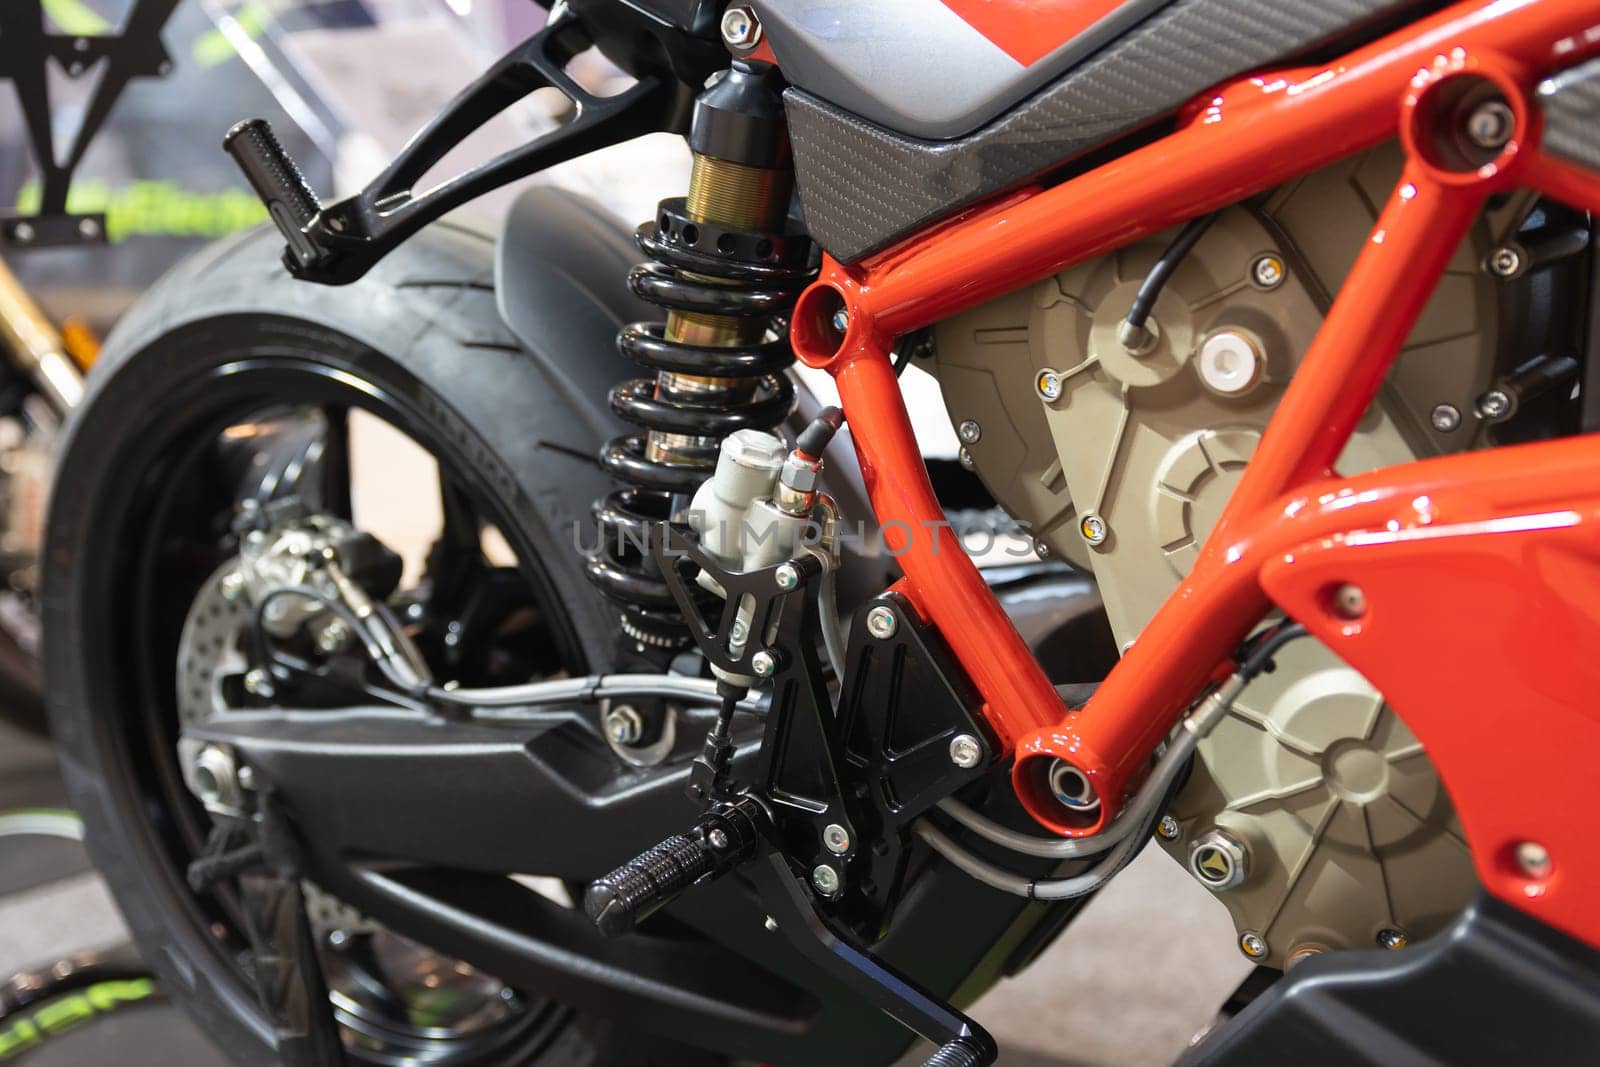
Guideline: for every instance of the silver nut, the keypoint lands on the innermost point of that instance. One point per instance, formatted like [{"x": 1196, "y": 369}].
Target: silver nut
[
  {"x": 1167, "y": 828},
  {"x": 1491, "y": 123},
  {"x": 1495, "y": 404},
  {"x": 787, "y": 576},
  {"x": 837, "y": 838},
  {"x": 1268, "y": 271},
  {"x": 232, "y": 586},
  {"x": 841, "y": 320},
  {"x": 826, "y": 879},
  {"x": 1533, "y": 859},
  {"x": 1350, "y": 601},
  {"x": 969, "y": 432},
  {"x": 741, "y": 29},
  {"x": 1218, "y": 860},
  {"x": 966, "y": 751},
  {"x": 258, "y": 682},
  {"x": 1505, "y": 262},
  {"x": 1393, "y": 940},
  {"x": 717, "y": 838},
  {"x": 624, "y": 725},
  {"x": 1445, "y": 417},
  {"x": 1094, "y": 529},
  {"x": 1049, "y": 384},
  {"x": 1252, "y": 945},
  {"x": 333, "y": 636},
  {"x": 764, "y": 663},
  {"x": 881, "y": 623}
]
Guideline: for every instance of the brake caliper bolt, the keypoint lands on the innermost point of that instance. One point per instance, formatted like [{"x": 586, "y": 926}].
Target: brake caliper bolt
[
  {"x": 966, "y": 751},
  {"x": 837, "y": 838},
  {"x": 741, "y": 29},
  {"x": 1391, "y": 939},
  {"x": 1445, "y": 417},
  {"x": 258, "y": 682},
  {"x": 1349, "y": 601},
  {"x": 1534, "y": 859},
  {"x": 1094, "y": 529},
  {"x": 1267, "y": 271},
  {"x": 881, "y": 623},
  {"x": 969, "y": 432},
  {"x": 624, "y": 725},
  {"x": 1048, "y": 384},
  {"x": 1252, "y": 945},
  {"x": 787, "y": 576},
  {"x": 1167, "y": 828},
  {"x": 764, "y": 663},
  {"x": 1491, "y": 123},
  {"x": 826, "y": 879},
  {"x": 1504, "y": 262}
]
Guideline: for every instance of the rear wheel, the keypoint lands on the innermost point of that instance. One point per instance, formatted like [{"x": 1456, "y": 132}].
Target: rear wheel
[{"x": 233, "y": 396}]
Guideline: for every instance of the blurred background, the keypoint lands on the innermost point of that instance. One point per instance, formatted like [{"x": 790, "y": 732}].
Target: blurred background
[{"x": 345, "y": 82}]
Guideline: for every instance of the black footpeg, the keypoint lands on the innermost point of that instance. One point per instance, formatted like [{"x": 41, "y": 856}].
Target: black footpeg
[
  {"x": 721, "y": 840},
  {"x": 278, "y": 182}
]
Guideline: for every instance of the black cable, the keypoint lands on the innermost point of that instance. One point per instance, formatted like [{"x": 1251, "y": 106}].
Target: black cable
[{"x": 1133, "y": 333}]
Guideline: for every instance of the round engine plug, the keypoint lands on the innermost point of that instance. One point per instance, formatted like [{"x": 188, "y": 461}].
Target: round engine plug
[
  {"x": 1231, "y": 362},
  {"x": 1219, "y": 860}
]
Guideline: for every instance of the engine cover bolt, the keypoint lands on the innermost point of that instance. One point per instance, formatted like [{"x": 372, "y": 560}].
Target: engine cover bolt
[
  {"x": 1491, "y": 123},
  {"x": 787, "y": 576},
  {"x": 1534, "y": 859},
  {"x": 826, "y": 879},
  {"x": 1167, "y": 828},
  {"x": 1505, "y": 262},
  {"x": 1495, "y": 404},
  {"x": 1048, "y": 385},
  {"x": 1218, "y": 860},
  {"x": 232, "y": 586},
  {"x": 837, "y": 838},
  {"x": 965, "y": 751},
  {"x": 1268, "y": 271},
  {"x": 258, "y": 682},
  {"x": 1392, "y": 939},
  {"x": 969, "y": 432},
  {"x": 741, "y": 29},
  {"x": 1094, "y": 529},
  {"x": 764, "y": 663},
  {"x": 881, "y": 623},
  {"x": 624, "y": 725},
  {"x": 1350, "y": 601},
  {"x": 1230, "y": 362},
  {"x": 1445, "y": 417},
  {"x": 1252, "y": 945}
]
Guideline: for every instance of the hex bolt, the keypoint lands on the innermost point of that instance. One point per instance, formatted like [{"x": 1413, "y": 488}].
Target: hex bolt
[
  {"x": 232, "y": 586},
  {"x": 764, "y": 663},
  {"x": 787, "y": 576},
  {"x": 837, "y": 838},
  {"x": 1349, "y": 601},
  {"x": 1495, "y": 404},
  {"x": 1041, "y": 548},
  {"x": 841, "y": 320},
  {"x": 1049, "y": 384},
  {"x": 1533, "y": 859},
  {"x": 333, "y": 636},
  {"x": 966, "y": 751},
  {"x": 771, "y": 924},
  {"x": 881, "y": 623},
  {"x": 717, "y": 838},
  {"x": 1218, "y": 860},
  {"x": 969, "y": 432},
  {"x": 1392, "y": 939},
  {"x": 258, "y": 682},
  {"x": 741, "y": 30},
  {"x": 964, "y": 457},
  {"x": 1504, "y": 262},
  {"x": 826, "y": 879},
  {"x": 1167, "y": 828},
  {"x": 1252, "y": 945},
  {"x": 1445, "y": 417},
  {"x": 1491, "y": 123},
  {"x": 624, "y": 725},
  {"x": 247, "y": 777},
  {"x": 1268, "y": 271},
  {"x": 1094, "y": 529}
]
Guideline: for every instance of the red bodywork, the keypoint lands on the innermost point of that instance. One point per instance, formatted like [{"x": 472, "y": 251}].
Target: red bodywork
[
  {"x": 1481, "y": 572},
  {"x": 1029, "y": 30}
]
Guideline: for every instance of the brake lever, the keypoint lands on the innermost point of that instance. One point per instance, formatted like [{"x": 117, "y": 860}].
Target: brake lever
[{"x": 338, "y": 243}]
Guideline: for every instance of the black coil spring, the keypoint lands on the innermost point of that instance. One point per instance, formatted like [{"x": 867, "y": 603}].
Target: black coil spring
[{"x": 704, "y": 269}]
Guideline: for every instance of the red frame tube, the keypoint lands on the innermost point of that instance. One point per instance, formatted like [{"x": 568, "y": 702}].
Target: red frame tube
[{"x": 1242, "y": 139}]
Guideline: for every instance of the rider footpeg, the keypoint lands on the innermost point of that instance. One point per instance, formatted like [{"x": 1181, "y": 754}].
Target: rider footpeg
[
  {"x": 723, "y": 839},
  {"x": 277, "y": 180}
]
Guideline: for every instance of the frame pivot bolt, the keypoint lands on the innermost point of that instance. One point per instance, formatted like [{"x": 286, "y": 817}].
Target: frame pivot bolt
[
  {"x": 1094, "y": 529},
  {"x": 881, "y": 623},
  {"x": 1167, "y": 828},
  {"x": 1350, "y": 601},
  {"x": 1504, "y": 262},
  {"x": 764, "y": 663},
  {"x": 624, "y": 725},
  {"x": 1048, "y": 384},
  {"x": 965, "y": 751},
  {"x": 1252, "y": 945},
  {"x": 1392, "y": 939},
  {"x": 826, "y": 879},
  {"x": 837, "y": 838},
  {"x": 1268, "y": 271},
  {"x": 1491, "y": 123},
  {"x": 841, "y": 320},
  {"x": 969, "y": 432},
  {"x": 1445, "y": 417},
  {"x": 741, "y": 30},
  {"x": 787, "y": 576},
  {"x": 1534, "y": 859}
]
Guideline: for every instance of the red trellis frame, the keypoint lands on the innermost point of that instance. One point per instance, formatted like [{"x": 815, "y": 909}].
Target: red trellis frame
[{"x": 1481, "y": 571}]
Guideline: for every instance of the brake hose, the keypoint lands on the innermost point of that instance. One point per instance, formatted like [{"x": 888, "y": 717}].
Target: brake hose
[{"x": 1133, "y": 333}]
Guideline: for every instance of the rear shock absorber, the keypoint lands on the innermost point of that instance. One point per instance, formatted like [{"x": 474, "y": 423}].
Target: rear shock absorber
[{"x": 726, "y": 267}]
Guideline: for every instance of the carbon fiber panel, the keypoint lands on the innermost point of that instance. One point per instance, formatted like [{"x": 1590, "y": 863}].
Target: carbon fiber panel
[
  {"x": 1572, "y": 114},
  {"x": 864, "y": 186}
]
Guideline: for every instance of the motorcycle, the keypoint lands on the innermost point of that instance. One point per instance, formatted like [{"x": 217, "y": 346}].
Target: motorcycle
[{"x": 699, "y": 736}]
